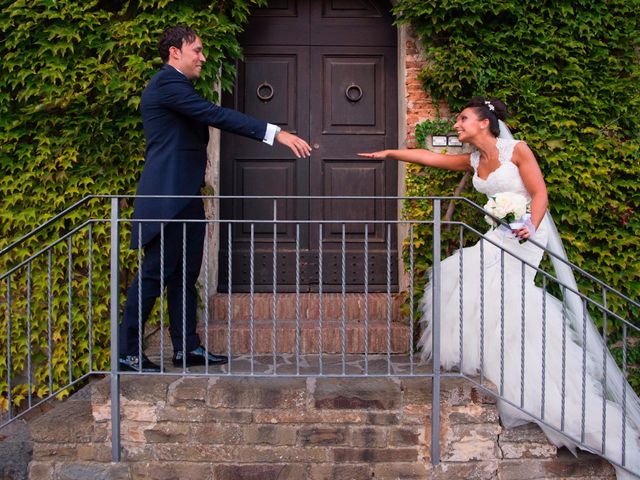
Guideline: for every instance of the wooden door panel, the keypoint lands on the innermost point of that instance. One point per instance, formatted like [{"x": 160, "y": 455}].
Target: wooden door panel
[
  {"x": 250, "y": 167},
  {"x": 351, "y": 22},
  {"x": 353, "y": 91},
  {"x": 324, "y": 69},
  {"x": 355, "y": 113},
  {"x": 282, "y": 22},
  {"x": 268, "y": 86},
  {"x": 345, "y": 127},
  {"x": 350, "y": 9},
  {"x": 352, "y": 178},
  {"x": 272, "y": 85},
  {"x": 263, "y": 179}
]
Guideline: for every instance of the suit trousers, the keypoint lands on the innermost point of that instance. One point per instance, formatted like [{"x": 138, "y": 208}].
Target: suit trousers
[{"x": 181, "y": 259}]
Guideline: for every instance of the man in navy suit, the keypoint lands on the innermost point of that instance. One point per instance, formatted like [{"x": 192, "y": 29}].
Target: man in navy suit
[{"x": 176, "y": 120}]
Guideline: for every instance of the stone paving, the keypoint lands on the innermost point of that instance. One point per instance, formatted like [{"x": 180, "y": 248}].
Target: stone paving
[{"x": 290, "y": 364}]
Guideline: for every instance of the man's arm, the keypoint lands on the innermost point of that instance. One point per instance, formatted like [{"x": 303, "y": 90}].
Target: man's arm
[{"x": 178, "y": 94}]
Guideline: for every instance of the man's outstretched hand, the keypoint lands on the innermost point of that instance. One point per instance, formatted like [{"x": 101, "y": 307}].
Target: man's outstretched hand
[{"x": 298, "y": 146}]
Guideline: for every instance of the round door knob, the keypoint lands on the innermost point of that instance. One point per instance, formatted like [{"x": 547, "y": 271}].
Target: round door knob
[
  {"x": 316, "y": 146},
  {"x": 264, "y": 92},
  {"x": 353, "y": 93}
]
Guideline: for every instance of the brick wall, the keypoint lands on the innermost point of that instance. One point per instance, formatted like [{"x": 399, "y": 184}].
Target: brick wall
[{"x": 419, "y": 104}]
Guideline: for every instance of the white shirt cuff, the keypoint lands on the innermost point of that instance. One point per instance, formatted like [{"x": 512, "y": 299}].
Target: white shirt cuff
[{"x": 270, "y": 134}]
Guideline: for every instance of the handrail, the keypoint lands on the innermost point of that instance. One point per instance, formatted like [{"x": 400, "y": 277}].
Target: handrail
[
  {"x": 67, "y": 235},
  {"x": 321, "y": 197},
  {"x": 46, "y": 224}
]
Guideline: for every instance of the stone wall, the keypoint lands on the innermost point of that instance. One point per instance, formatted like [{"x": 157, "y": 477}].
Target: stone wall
[{"x": 224, "y": 428}]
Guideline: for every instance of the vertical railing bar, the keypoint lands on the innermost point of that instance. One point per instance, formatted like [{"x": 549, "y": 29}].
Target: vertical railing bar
[
  {"x": 584, "y": 370},
  {"x": 70, "y": 307},
  {"x": 564, "y": 364},
  {"x": 501, "y": 322},
  {"x": 604, "y": 369},
  {"x": 297, "y": 299},
  {"x": 343, "y": 326},
  {"x": 624, "y": 394},
  {"x": 184, "y": 297},
  {"x": 206, "y": 295},
  {"x": 366, "y": 299},
  {"x": 461, "y": 298},
  {"x": 139, "y": 297},
  {"x": 162, "y": 226},
  {"x": 435, "y": 420},
  {"x": 481, "y": 311},
  {"x": 544, "y": 346},
  {"x": 50, "y": 319},
  {"x": 411, "y": 297},
  {"x": 522, "y": 332},
  {"x": 275, "y": 284},
  {"x": 29, "y": 373},
  {"x": 115, "y": 375},
  {"x": 251, "y": 295},
  {"x": 388, "y": 299},
  {"x": 320, "y": 260},
  {"x": 90, "y": 296},
  {"x": 229, "y": 294},
  {"x": 9, "y": 386}
]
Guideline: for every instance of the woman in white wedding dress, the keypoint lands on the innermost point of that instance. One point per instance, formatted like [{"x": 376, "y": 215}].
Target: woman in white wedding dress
[{"x": 508, "y": 322}]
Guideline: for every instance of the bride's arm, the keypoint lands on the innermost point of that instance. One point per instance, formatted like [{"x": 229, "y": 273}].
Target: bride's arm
[
  {"x": 533, "y": 181},
  {"x": 423, "y": 157}
]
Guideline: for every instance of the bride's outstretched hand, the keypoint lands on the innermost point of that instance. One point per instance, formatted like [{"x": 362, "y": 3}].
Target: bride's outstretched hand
[{"x": 376, "y": 155}]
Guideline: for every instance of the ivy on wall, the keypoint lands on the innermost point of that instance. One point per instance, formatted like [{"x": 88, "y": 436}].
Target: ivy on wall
[
  {"x": 569, "y": 73},
  {"x": 71, "y": 74}
]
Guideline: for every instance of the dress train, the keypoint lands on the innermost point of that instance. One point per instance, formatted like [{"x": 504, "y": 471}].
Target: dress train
[{"x": 504, "y": 323}]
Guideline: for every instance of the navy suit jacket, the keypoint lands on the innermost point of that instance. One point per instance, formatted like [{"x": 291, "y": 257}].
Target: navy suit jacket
[{"x": 175, "y": 120}]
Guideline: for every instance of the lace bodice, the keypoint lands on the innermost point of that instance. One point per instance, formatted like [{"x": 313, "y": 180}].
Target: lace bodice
[{"x": 506, "y": 178}]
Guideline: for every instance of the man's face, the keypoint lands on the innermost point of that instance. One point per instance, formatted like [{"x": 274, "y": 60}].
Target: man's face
[{"x": 189, "y": 59}]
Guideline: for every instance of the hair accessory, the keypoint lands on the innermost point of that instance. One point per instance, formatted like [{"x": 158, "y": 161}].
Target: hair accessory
[{"x": 489, "y": 105}]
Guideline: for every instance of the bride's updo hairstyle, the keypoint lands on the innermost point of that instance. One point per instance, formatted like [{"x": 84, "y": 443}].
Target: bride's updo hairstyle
[{"x": 493, "y": 109}]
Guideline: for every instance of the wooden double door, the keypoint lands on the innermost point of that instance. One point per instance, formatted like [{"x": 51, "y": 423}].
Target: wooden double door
[{"x": 327, "y": 71}]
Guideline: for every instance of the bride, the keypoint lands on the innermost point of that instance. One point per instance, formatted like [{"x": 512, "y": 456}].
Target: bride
[{"x": 508, "y": 324}]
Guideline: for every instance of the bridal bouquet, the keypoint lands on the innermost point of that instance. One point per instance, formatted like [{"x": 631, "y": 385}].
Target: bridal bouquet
[{"x": 508, "y": 206}]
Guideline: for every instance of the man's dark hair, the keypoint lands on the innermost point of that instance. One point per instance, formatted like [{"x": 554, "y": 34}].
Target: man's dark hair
[{"x": 175, "y": 37}]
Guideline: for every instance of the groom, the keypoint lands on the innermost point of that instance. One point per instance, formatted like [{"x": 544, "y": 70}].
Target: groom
[{"x": 176, "y": 120}]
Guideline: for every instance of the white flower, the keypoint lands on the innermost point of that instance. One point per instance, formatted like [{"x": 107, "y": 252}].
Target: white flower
[{"x": 507, "y": 206}]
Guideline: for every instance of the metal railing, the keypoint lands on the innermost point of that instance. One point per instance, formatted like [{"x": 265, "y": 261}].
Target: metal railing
[{"x": 59, "y": 330}]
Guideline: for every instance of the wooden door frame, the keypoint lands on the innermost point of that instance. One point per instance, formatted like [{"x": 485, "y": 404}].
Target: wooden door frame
[{"x": 212, "y": 175}]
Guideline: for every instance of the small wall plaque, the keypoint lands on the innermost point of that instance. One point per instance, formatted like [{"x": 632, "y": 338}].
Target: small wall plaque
[
  {"x": 453, "y": 141},
  {"x": 439, "y": 141}
]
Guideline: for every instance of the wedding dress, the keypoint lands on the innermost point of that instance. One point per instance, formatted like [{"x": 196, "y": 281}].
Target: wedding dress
[{"x": 503, "y": 323}]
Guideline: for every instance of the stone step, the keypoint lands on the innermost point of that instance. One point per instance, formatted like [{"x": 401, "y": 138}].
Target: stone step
[
  {"x": 291, "y": 429},
  {"x": 375, "y": 313},
  {"x": 371, "y": 324},
  {"x": 353, "y": 334},
  {"x": 353, "y": 306},
  {"x": 308, "y": 341}
]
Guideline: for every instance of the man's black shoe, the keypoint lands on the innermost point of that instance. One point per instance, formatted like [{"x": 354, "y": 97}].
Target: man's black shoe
[
  {"x": 131, "y": 363},
  {"x": 198, "y": 356}
]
